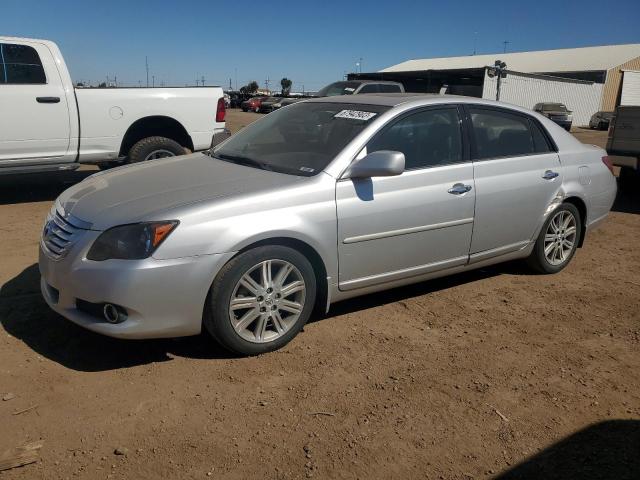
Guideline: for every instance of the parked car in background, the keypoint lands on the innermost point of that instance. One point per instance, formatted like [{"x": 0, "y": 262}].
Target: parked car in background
[
  {"x": 353, "y": 87},
  {"x": 47, "y": 124},
  {"x": 252, "y": 104},
  {"x": 624, "y": 142},
  {"x": 268, "y": 104},
  {"x": 315, "y": 203},
  {"x": 600, "y": 120},
  {"x": 556, "y": 112}
]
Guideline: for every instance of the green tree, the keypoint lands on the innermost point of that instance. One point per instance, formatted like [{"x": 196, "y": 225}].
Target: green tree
[
  {"x": 285, "y": 83},
  {"x": 251, "y": 87}
]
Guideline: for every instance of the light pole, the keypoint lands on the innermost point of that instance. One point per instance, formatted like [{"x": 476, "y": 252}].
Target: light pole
[{"x": 499, "y": 69}]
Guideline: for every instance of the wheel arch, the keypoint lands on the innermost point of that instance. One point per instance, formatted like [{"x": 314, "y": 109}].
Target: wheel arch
[
  {"x": 582, "y": 210},
  {"x": 155, "y": 125}
]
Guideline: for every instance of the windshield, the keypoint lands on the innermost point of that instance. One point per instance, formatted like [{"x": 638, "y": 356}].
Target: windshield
[
  {"x": 338, "y": 88},
  {"x": 299, "y": 140},
  {"x": 554, "y": 107}
]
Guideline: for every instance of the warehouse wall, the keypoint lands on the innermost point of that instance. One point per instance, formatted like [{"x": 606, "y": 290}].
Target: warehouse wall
[
  {"x": 613, "y": 83},
  {"x": 525, "y": 90}
]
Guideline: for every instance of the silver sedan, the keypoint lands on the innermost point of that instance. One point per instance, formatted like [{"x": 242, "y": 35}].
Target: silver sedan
[{"x": 318, "y": 202}]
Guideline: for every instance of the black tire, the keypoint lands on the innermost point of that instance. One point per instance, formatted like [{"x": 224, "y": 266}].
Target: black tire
[
  {"x": 145, "y": 147},
  {"x": 216, "y": 318},
  {"x": 538, "y": 260}
]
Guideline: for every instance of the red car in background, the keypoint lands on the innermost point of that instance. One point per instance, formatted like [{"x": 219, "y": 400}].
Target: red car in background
[{"x": 252, "y": 104}]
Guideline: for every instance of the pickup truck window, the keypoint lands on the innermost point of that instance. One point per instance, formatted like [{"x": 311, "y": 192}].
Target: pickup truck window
[{"x": 20, "y": 64}]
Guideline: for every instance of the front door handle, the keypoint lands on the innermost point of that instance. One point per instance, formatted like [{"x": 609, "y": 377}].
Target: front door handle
[
  {"x": 459, "y": 189},
  {"x": 48, "y": 99},
  {"x": 550, "y": 175}
]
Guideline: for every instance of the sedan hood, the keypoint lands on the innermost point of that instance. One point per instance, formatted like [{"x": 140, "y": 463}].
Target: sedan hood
[{"x": 142, "y": 191}]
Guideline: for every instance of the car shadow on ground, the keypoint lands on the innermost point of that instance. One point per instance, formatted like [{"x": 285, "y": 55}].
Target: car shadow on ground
[
  {"x": 25, "y": 316},
  {"x": 38, "y": 187},
  {"x": 608, "y": 450}
]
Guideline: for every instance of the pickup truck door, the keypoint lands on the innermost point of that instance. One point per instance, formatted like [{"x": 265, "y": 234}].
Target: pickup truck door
[{"x": 35, "y": 123}]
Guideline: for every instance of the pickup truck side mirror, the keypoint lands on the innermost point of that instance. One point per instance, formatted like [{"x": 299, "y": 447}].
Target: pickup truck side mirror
[{"x": 383, "y": 163}]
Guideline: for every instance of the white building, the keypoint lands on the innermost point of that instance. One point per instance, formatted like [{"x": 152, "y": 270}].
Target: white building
[{"x": 585, "y": 79}]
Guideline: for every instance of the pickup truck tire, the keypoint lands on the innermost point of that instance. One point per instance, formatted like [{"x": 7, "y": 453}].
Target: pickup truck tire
[{"x": 155, "y": 147}]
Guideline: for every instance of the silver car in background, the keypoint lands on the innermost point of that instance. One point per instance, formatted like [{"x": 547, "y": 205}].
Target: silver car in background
[{"x": 318, "y": 202}]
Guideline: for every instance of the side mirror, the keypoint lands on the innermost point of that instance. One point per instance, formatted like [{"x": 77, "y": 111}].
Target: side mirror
[{"x": 383, "y": 163}]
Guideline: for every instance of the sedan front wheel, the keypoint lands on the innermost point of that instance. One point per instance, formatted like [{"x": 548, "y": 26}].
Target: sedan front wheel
[{"x": 261, "y": 299}]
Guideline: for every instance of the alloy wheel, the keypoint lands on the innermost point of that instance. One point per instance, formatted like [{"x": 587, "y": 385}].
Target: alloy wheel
[
  {"x": 267, "y": 301},
  {"x": 560, "y": 238},
  {"x": 161, "y": 153}
]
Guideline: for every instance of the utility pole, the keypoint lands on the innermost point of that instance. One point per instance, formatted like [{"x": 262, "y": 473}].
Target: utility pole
[
  {"x": 203, "y": 80},
  {"x": 475, "y": 42},
  {"x": 146, "y": 63},
  {"x": 230, "y": 86},
  {"x": 266, "y": 82},
  {"x": 153, "y": 79},
  {"x": 505, "y": 43}
]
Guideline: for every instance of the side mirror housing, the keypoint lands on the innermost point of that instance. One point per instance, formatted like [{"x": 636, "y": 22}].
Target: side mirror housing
[{"x": 383, "y": 163}]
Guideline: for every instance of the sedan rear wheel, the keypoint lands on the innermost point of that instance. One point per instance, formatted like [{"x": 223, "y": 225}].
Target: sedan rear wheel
[
  {"x": 261, "y": 299},
  {"x": 557, "y": 241}
]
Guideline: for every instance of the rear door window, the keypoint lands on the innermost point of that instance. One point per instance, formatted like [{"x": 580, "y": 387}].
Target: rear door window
[
  {"x": 20, "y": 64},
  {"x": 498, "y": 133}
]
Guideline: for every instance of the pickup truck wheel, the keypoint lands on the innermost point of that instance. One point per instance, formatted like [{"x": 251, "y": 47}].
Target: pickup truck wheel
[
  {"x": 152, "y": 148},
  {"x": 260, "y": 300}
]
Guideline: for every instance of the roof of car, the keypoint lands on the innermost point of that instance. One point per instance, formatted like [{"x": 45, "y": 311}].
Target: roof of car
[{"x": 415, "y": 99}]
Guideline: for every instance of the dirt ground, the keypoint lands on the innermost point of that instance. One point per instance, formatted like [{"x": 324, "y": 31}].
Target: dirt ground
[{"x": 495, "y": 373}]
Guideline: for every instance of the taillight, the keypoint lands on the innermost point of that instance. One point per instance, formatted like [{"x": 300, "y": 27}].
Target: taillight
[
  {"x": 607, "y": 161},
  {"x": 220, "y": 110}
]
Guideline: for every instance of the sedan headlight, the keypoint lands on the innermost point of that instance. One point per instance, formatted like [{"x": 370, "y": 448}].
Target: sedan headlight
[{"x": 130, "y": 242}]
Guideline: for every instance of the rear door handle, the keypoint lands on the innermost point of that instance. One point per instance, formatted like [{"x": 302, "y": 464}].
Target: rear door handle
[
  {"x": 459, "y": 189},
  {"x": 550, "y": 175},
  {"x": 48, "y": 99}
]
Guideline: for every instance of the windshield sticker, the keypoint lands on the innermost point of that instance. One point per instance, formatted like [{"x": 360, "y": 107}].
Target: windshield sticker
[
  {"x": 307, "y": 169},
  {"x": 355, "y": 115},
  {"x": 349, "y": 89}
]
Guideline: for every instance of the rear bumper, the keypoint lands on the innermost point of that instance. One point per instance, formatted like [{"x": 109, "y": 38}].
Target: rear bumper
[{"x": 162, "y": 298}]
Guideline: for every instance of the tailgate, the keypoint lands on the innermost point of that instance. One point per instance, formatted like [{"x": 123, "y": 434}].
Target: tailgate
[{"x": 624, "y": 132}]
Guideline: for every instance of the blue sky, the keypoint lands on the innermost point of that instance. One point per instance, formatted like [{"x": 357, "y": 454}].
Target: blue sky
[{"x": 312, "y": 43}]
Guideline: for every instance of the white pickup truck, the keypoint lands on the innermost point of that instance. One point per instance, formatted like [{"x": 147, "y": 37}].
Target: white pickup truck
[{"x": 47, "y": 124}]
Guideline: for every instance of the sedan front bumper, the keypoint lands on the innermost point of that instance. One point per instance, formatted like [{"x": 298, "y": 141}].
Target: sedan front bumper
[{"x": 162, "y": 298}]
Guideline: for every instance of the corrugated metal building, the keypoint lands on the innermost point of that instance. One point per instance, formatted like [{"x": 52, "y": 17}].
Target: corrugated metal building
[{"x": 585, "y": 79}]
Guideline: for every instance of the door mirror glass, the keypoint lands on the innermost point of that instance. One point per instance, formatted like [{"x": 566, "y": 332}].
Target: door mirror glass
[{"x": 383, "y": 163}]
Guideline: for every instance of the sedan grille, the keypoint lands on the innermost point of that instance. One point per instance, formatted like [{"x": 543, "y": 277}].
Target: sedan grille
[{"x": 60, "y": 233}]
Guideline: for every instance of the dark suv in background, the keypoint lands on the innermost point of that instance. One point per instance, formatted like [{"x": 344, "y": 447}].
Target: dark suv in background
[{"x": 556, "y": 112}]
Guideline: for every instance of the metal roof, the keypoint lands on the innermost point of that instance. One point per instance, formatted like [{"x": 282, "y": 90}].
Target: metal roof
[{"x": 562, "y": 60}]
